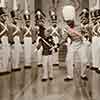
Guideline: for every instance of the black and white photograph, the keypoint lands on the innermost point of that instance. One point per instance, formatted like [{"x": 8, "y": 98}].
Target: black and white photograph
[{"x": 49, "y": 49}]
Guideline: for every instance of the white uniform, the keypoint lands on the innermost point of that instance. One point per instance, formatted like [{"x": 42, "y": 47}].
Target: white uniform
[
  {"x": 16, "y": 47},
  {"x": 5, "y": 51},
  {"x": 29, "y": 45},
  {"x": 16, "y": 53},
  {"x": 75, "y": 52},
  {"x": 86, "y": 31}
]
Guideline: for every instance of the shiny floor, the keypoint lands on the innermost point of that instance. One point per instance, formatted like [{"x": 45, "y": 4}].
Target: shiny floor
[{"x": 27, "y": 85}]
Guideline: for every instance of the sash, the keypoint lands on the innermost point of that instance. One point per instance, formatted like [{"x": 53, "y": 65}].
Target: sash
[
  {"x": 16, "y": 31},
  {"x": 55, "y": 31},
  {"x": 4, "y": 30},
  {"x": 27, "y": 31}
]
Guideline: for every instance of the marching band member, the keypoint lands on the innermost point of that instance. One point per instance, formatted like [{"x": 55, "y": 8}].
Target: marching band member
[
  {"x": 84, "y": 18},
  {"x": 87, "y": 39},
  {"x": 39, "y": 19},
  {"x": 39, "y": 52},
  {"x": 55, "y": 32},
  {"x": 39, "y": 16},
  {"x": 15, "y": 38},
  {"x": 76, "y": 46},
  {"x": 29, "y": 39},
  {"x": 95, "y": 43},
  {"x": 46, "y": 41},
  {"x": 5, "y": 47}
]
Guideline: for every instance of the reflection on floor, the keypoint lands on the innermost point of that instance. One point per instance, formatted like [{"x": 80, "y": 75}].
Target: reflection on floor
[{"x": 26, "y": 85}]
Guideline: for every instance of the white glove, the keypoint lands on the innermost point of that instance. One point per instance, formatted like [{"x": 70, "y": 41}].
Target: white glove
[{"x": 35, "y": 50}]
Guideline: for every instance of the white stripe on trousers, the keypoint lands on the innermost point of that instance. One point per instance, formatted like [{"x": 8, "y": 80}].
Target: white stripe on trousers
[
  {"x": 47, "y": 66},
  {"x": 27, "y": 50},
  {"x": 16, "y": 52},
  {"x": 5, "y": 52}
]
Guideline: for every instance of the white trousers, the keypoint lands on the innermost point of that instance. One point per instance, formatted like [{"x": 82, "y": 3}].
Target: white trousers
[
  {"x": 47, "y": 66},
  {"x": 96, "y": 51},
  {"x": 34, "y": 54},
  {"x": 76, "y": 54},
  {"x": 56, "y": 54},
  {"x": 28, "y": 51},
  {"x": 56, "y": 57},
  {"x": 16, "y": 52},
  {"x": 5, "y": 53},
  {"x": 86, "y": 57}
]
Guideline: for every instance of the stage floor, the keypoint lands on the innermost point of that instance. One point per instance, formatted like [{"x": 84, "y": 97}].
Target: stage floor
[{"x": 27, "y": 85}]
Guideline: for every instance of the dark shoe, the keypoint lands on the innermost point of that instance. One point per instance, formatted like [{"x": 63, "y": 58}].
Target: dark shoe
[
  {"x": 94, "y": 68},
  {"x": 68, "y": 79},
  {"x": 87, "y": 66},
  {"x": 39, "y": 65},
  {"x": 44, "y": 80},
  {"x": 4, "y": 73},
  {"x": 84, "y": 78},
  {"x": 98, "y": 70},
  {"x": 16, "y": 69},
  {"x": 55, "y": 64},
  {"x": 27, "y": 67},
  {"x": 50, "y": 78}
]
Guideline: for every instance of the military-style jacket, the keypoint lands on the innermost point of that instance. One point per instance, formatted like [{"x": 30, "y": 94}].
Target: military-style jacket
[
  {"x": 96, "y": 29},
  {"x": 55, "y": 31},
  {"x": 41, "y": 30},
  {"x": 13, "y": 31},
  {"x": 3, "y": 30},
  {"x": 73, "y": 33},
  {"x": 29, "y": 32},
  {"x": 47, "y": 43},
  {"x": 86, "y": 32}
]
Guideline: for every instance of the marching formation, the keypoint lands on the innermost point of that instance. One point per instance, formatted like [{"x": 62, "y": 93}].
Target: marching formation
[{"x": 31, "y": 40}]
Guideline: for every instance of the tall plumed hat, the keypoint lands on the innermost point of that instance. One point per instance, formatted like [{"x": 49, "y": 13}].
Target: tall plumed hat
[{"x": 68, "y": 13}]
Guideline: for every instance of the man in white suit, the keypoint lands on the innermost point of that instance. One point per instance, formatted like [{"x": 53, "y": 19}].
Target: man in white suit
[{"x": 75, "y": 49}]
